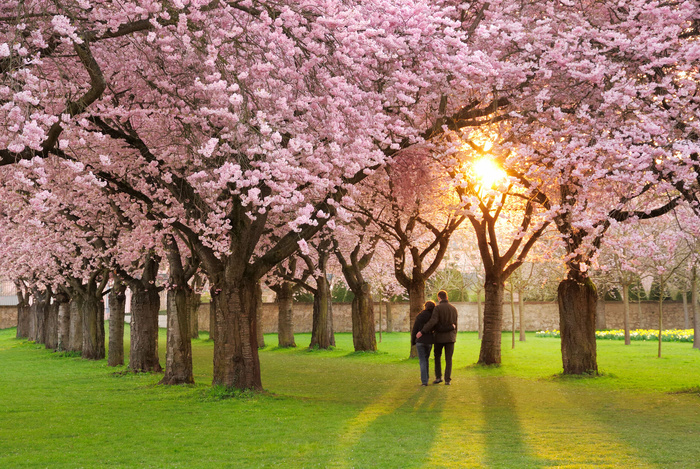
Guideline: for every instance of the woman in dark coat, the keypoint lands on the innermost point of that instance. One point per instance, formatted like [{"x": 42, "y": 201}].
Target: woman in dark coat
[{"x": 424, "y": 344}]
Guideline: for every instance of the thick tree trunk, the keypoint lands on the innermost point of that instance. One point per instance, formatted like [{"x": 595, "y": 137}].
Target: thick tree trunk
[
  {"x": 75, "y": 335},
  {"x": 686, "y": 316},
  {"x": 178, "y": 355},
  {"x": 322, "y": 328},
  {"x": 143, "y": 353},
  {"x": 577, "y": 319},
  {"x": 285, "y": 323},
  {"x": 363, "y": 332},
  {"x": 23, "y": 313},
  {"x": 416, "y": 301},
  {"x": 236, "y": 361},
  {"x": 490, "y": 352},
  {"x": 93, "y": 327},
  {"x": 37, "y": 316},
  {"x": 258, "y": 315},
  {"x": 194, "y": 299},
  {"x": 51, "y": 326},
  {"x": 63, "y": 334},
  {"x": 117, "y": 307}
]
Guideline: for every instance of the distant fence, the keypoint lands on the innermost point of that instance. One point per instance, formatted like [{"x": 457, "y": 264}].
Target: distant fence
[{"x": 537, "y": 316}]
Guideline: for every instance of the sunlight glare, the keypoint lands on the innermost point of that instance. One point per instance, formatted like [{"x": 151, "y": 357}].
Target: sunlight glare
[{"x": 488, "y": 172}]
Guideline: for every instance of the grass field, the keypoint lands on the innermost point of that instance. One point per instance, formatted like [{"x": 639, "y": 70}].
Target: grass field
[{"x": 342, "y": 409}]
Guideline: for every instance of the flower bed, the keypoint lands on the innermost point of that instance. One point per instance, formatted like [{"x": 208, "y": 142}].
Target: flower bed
[{"x": 669, "y": 335}]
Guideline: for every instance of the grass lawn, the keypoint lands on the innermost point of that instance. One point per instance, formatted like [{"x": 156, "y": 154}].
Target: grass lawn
[{"x": 342, "y": 409}]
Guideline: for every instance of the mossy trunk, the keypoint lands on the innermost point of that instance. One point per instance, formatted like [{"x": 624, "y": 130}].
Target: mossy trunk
[
  {"x": 577, "y": 321},
  {"x": 23, "y": 313},
  {"x": 93, "y": 311},
  {"x": 75, "y": 334},
  {"x": 194, "y": 299},
  {"x": 63, "y": 335},
  {"x": 51, "y": 326},
  {"x": 259, "y": 315},
  {"x": 143, "y": 353}
]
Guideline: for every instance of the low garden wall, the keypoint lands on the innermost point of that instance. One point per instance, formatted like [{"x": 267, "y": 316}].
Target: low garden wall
[{"x": 537, "y": 316}]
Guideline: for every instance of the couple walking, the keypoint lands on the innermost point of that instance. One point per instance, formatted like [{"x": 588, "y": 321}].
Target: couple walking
[{"x": 436, "y": 324}]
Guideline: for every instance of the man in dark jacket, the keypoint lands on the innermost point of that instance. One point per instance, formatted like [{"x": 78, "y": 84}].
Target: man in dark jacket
[{"x": 444, "y": 318}]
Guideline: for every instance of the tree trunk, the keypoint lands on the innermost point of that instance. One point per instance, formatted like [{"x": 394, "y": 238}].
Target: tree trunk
[
  {"x": 236, "y": 361},
  {"x": 490, "y": 353},
  {"x": 626, "y": 317},
  {"x": 363, "y": 332},
  {"x": 285, "y": 325},
  {"x": 577, "y": 311},
  {"x": 93, "y": 326},
  {"x": 661, "y": 312},
  {"x": 75, "y": 334},
  {"x": 51, "y": 326},
  {"x": 416, "y": 301},
  {"x": 194, "y": 299},
  {"x": 145, "y": 303},
  {"x": 63, "y": 335},
  {"x": 512, "y": 319},
  {"x": 37, "y": 316},
  {"x": 258, "y": 315},
  {"x": 322, "y": 328},
  {"x": 521, "y": 315},
  {"x": 178, "y": 355},
  {"x": 117, "y": 307},
  {"x": 23, "y": 313},
  {"x": 696, "y": 310},
  {"x": 389, "y": 317}
]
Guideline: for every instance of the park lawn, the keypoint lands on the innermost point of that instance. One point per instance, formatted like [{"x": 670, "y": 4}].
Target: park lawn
[{"x": 344, "y": 409}]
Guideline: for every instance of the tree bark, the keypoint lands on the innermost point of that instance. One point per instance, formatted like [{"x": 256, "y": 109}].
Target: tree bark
[
  {"x": 63, "y": 335},
  {"x": 661, "y": 311},
  {"x": 117, "y": 307},
  {"x": 236, "y": 361},
  {"x": 258, "y": 315},
  {"x": 416, "y": 301},
  {"x": 23, "y": 312},
  {"x": 145, "y": 304},
  {"x": 490, "y": 352},
  {"x": 577, "y": 318},
  {"x": 389, "y": 317},
  {"x": 600, "y": 321},
  {"x": 51, "y": 326},
  {"x": 363, "y": 332},
  {"x": 696, "y": 310},
  {"x": 285, "y": 323},
  {"x": 93, "y": 325},
  {"x": 37, "y": 316},
  {"x": 521, "y": 315},
  {"x": 626, "y": 317},
  {"x": 686, "y": 316},
  {"x": 322, "y": 328},
  {"x": 194, "y": 299},
  {"x": 75, "y": 335},
  {"x": 178, "y": 355}
]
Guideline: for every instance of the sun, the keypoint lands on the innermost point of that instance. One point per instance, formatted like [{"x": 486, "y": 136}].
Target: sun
[{"x": 488, "y": 172}]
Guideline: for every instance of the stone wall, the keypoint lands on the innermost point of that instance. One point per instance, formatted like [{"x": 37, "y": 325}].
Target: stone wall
[
  {"x": 8, "y": 316},
  {"x": 537, "y": 316}
]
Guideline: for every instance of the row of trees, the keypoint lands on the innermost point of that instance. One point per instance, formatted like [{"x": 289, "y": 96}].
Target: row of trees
[{"x": 226, "y": 137}]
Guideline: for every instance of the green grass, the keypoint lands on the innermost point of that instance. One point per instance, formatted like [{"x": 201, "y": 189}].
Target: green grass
[{"x": 342, "y": 409}]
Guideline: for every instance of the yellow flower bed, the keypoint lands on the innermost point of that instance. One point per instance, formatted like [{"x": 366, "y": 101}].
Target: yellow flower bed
[{"x": 668, "y": 335}]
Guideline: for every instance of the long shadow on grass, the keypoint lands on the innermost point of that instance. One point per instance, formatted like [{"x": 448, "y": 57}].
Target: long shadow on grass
[
  {"x": 661, "y": 430},
  {"x": 397, "y": 430},
  {"x": 503, "y": 435}
]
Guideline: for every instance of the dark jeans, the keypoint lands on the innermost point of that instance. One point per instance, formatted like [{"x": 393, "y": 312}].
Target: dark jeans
[
  {"x": 449, "y": 350},
  {"x": 424, "y": 361}
]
